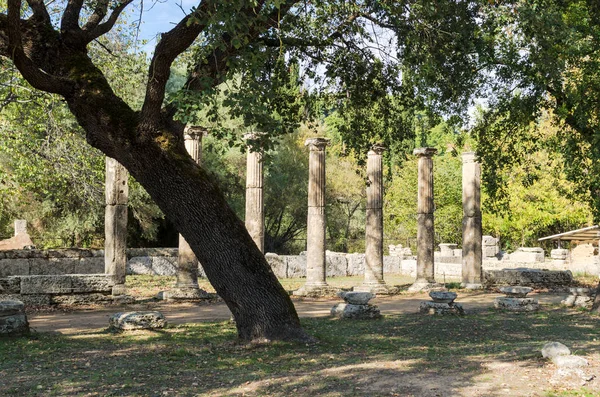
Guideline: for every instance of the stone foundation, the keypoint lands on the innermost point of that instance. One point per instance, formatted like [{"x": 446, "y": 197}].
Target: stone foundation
[
  {"x": 64, "y": 289},
  {"x": 516, "y": 304},
  {"x": 528, "y": 277}
]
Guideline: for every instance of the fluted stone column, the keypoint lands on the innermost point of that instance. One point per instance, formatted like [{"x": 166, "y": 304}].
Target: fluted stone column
[
  {"x": 471, "y": 224},
  {"x": 255, "y": 217},
  {"x": 115, "y": 223},
  {"x": 316, "y": 284},
  {"x": 186, "y": 285},
  {"x": 373, "y": 281},
  {"x": 425, "y": 230}
]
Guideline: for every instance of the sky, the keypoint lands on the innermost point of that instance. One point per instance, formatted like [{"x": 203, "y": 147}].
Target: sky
[{"x": 160, "y": 16}]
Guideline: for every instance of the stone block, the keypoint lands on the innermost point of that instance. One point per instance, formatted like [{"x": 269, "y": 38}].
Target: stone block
[
  {"x": 97, "y": 253},
  {"x": 528, "y": 277},
  {"x": 11, "y": 306},
  {"x": 14, "y": 267},
  {"x": 164, "y": 266},
  {"x": 457, "y": 252},
  {"x": 356, "y": 298},
  {"x": 559, "y": 254},
  {"x": 336, "y": 264},
  {"x": 137, "y": 320},
  {"x": 554, "y": 349},
  {"x": 59, "y": 266},
  {"x": 391, "y": 264},
  {"x": 409, "y": 266},
  {"x": 356, "y": 264},
  {"x": 68, "y": 253},
  {"x": 277, "y": 264},
  {"x": 80, "y": 299},
  {"x": 10, "y": 285},
  {"x": 140, "y": 265},
  {"x": 516, "y": 291},
  {"x": 25, "y": 254},
  {"x": 82, "y": 283},
  {"x": 29, "y": 300},
  {"x": 54, "y": 284},
  {"x": 528, "y": 255},
  {"x": 357, "y": 312},
  {"x": 296, "y": 266},
  {"x": 442, "y": 296},
  {"x": 90, "y": 265},
  {"x": 184, "y": 294},
  {"x": 447, "y": 249},
  {"x": 14, "y": 325}
]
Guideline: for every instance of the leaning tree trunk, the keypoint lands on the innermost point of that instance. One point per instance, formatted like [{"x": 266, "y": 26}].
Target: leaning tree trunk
[
  {"x": 233, "y": 263},
  {"x": 596, "y": 305}
]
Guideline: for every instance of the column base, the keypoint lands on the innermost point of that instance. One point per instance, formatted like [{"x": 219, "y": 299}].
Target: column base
[
  {"x": 472, "y": 286},
  {"x": 183, "y": 294},
  {"x": 377, "y": 289},
  {"x": 316, "y": 290},
  {"x": 423, "y": 285},
  {"x": 119, "y": 289}
]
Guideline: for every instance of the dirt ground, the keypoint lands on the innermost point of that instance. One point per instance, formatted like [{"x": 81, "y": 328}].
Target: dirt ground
[{"x": 475, "y": 376}]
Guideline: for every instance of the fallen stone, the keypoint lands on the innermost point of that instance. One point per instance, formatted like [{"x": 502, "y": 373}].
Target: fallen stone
[
  {"x": 442, "y": 296},
  {"x": 356, "y": 298},
  {"x": 515, "y": 291},
  {"x": 516, "y": 304},
  {"x": 569, "y": 362},
  {"x": 555, "y": 349},
  {"x": 578, "y": 291},
  {"x": 137, "y": 320},
  {"x": 357, "y": 312},
  {"x": 183, "y": 294}
]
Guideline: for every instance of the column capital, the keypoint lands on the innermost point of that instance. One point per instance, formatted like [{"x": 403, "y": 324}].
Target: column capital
[
  {"x": 193, "y": 132},
  {"x": 425, "y": 151},
  {"x": 377, "y": 149},
  {"x": 469, "y": 157},
  {"x": 317, "y": 144}
]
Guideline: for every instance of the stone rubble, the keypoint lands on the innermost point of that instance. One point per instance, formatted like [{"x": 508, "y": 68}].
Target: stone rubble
[
  {"x": 569, "y": 367},
  {"x": 580, "y": 297},
  {"x": 126, "y": 321}
]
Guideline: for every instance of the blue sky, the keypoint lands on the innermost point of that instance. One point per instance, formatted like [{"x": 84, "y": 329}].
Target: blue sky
[{"x": 161, "y": 16}]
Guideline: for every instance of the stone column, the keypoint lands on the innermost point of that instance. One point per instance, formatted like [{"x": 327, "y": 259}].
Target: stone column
[
  {"x": 186, "y": 286},
  {"x": 316, "y": 284},
  {"x": 471, "y": 225},
  {"x": 115, "y": 223},
  {"x": 373, "y": 281},
  {"x": 255, "y": 217},
  {"x": 425, "y": 231}
]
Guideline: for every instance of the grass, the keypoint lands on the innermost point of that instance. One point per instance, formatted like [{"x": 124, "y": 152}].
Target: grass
[
  {"x": 148, "y": 286},
  {"x": 354, "y": 358}
]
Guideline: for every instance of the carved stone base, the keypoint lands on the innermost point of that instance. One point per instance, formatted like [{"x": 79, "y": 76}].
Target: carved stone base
[
  {"x": 316, "y": 291},
  {"x": 358, "y": 312},
  {"x": 377, "y": 289},
  {"x": 441, "y": 308},
  {"x": 183, "y": 294},
  {"x": 516, "y": 304},
  {"x": 425, "y": 286}
]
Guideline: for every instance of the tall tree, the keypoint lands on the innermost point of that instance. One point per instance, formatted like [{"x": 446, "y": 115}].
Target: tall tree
[{"x": 254, "y": 40}]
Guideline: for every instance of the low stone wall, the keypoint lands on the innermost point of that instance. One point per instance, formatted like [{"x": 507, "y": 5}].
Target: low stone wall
[
  {"x": 57, "y": 289},
  {"x": 528, "y": 277}
]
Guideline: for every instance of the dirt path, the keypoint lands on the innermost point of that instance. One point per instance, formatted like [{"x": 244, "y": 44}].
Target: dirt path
[{"x": 80, "y": 321}]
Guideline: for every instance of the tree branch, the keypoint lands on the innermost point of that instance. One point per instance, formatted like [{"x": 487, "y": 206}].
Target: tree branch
[
  {"x": 97, "y": 30},
  {"x": 169, "y": 47},
  {"x": 36, "y": 77},
  {"x": 39, "y": 10},
  {"x": 97, "y": 16},
  {"x": 70, "y": 18}
]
